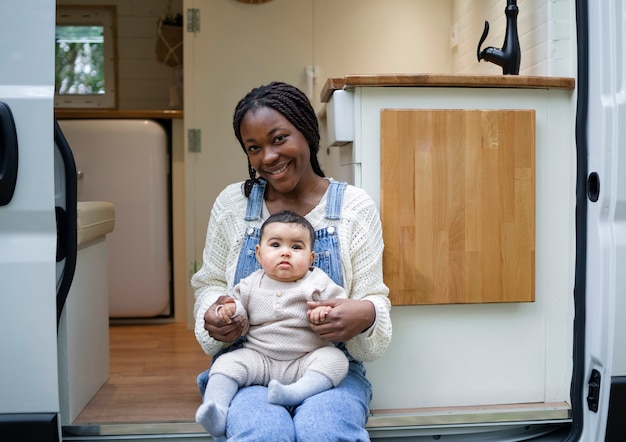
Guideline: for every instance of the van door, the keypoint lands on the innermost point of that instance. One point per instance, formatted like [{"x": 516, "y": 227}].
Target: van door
[
  {"x": 601, "y": 219},
  {"x": 29, "y": 403}
]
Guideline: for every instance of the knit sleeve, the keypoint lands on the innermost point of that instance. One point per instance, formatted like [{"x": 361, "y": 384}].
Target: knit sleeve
[
  {"x": 222, "y": 244},
  {"x": 362, "y": 235}
]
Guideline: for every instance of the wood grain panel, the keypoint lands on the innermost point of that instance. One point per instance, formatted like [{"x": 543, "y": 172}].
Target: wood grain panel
[
  {"x": 458, "y": 205},
  {"x": 444, "y": 80}
]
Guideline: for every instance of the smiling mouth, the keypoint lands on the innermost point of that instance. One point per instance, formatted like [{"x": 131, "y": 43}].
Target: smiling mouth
[{"x": 278, "y": 171}]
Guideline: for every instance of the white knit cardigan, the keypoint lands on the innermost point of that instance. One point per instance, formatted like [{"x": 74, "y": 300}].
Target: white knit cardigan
[{"x": 361, "y": 244}]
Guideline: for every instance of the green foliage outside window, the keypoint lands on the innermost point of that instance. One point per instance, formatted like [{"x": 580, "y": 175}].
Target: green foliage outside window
[{"x": 79, "y": 66}]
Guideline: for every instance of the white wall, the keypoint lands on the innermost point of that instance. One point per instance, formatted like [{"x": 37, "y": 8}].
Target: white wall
[
  {"x": 143, "y": 83},
  {"x": 377, "y": 37},
  {"x": 380, "y": 37}
]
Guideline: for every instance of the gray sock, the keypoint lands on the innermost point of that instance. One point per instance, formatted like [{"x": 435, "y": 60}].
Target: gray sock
[
  {"x": 311, "y": 383},
  {"x": 220, "y": 390}
]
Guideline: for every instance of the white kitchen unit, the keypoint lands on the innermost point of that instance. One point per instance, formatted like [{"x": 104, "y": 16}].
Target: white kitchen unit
[
  {"x": 83, "y": 336},
  {"x": 495, "y": 362}
]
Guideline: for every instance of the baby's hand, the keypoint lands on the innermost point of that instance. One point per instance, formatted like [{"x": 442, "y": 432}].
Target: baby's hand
[
  {"x": 226, "y": 311},
  {"x": 318, "y": 314}
]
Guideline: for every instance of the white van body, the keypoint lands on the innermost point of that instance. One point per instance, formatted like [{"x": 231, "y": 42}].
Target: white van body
[
  {"x": 28, "y": 355},
  {"x": 600, "y": 285},
  {"x": 29, "y": 392}
]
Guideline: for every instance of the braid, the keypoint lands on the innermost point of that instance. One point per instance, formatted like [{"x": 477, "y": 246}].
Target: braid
[
  {"x": 294, "y": 105},
  {"x": 247, "y": 187}
]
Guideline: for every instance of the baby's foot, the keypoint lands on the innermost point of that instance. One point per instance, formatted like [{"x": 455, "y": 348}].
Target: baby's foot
[
  {"x": 280, "y": 394},
  {"x": 212, "y": 418}
]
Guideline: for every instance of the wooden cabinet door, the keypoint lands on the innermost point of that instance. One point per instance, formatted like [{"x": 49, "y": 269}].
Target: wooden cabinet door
[{"x": 458, "y": 205}]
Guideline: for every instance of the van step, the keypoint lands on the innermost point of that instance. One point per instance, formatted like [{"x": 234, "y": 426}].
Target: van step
[
  {"x": 501, "y": 422},
  {"x": 479, "y": 414}
]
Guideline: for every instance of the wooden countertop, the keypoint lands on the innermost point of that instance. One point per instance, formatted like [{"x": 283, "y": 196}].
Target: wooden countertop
[
  {"x": 167, "y": 114},
  {"x": 445, "y": 80}
]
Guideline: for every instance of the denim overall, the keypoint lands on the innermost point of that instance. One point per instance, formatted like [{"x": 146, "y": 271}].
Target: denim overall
[
  {"x": 326, "y": 245},
  {"x": 327, "y": 258}
]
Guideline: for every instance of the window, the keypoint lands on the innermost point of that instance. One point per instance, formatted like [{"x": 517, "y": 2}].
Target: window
[{"x": 85, "y": 71}]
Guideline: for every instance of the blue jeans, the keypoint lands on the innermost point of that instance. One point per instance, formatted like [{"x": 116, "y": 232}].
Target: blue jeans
[{"x": 338, "y": 414}]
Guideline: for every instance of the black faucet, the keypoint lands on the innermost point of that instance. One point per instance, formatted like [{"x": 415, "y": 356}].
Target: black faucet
[{"x": 509, "y": 56}]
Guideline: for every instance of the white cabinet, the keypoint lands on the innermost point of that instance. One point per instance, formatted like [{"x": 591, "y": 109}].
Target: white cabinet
[
  {"x": 478, "y": 354},
  {"x": 83, "y": 337}
]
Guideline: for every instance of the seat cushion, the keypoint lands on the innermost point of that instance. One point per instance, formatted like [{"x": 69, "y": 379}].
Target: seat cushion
[{"x": 94, "y": 220}]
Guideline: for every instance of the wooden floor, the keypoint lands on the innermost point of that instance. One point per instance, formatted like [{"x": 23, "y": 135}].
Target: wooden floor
[
  {"x": 153, "y": 376},
  {"x": 152, "y": 381}
]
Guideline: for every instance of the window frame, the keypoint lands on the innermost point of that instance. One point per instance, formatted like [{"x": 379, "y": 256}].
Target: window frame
[{"x": 93, "y": 15}]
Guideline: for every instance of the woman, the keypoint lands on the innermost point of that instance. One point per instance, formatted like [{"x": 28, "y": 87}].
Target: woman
[{"x": 278, "y": 130}]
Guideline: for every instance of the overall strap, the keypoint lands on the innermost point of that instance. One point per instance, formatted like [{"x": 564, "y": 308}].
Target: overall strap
[
  {"x": 255, "y": 201},
  {"x": 334, "y": 199},
  {"x": 333, "y": 202}
]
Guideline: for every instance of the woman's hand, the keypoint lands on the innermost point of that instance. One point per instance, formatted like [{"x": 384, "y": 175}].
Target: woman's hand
[
  {"x": 346, "y": 319},
  {"x": 221, "y": 330}
]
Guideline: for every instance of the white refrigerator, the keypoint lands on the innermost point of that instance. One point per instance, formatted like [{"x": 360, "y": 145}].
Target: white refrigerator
[{"x": 125, "y": 161}]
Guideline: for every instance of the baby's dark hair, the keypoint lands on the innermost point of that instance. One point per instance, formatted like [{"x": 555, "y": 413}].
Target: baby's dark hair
[
  {"x": 289, "y": 217},
  {"x": 294, "y": 105}
]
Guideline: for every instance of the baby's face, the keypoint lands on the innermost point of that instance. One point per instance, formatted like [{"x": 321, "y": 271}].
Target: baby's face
[{"x": 285, "y": 251}]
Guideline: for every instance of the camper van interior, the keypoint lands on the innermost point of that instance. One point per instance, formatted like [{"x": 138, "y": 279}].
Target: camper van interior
[
  {"x": 460, "y": 118},
  {"x": 499, "y": 359}
]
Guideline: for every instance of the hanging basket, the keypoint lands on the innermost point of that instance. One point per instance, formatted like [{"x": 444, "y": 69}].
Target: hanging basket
[{"x": 169, "y": 45}]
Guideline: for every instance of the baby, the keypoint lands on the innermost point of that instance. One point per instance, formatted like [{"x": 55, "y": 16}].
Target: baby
[{"x": 280, "y": 351}]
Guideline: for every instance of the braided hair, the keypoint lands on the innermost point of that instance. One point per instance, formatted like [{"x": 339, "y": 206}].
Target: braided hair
[{"x": 294, "y": 105}]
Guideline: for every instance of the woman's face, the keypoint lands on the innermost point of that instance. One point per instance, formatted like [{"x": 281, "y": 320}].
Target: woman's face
[{"x": 276, "y": 149}]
